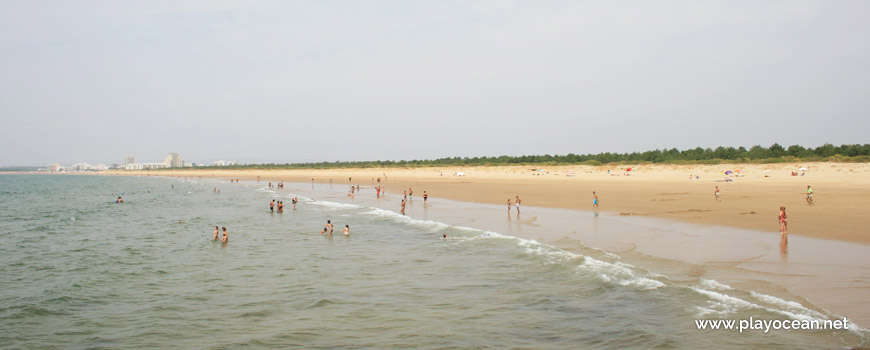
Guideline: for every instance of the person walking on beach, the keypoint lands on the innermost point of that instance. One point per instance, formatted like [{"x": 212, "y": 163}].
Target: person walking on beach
[
  {"x": 594, "y": 200},
  {"x": 226, "y": 237},
  {"x": 809, "y": 195},
  {"x": 403, "y": 206},
  {"x": 517, "y": 203},
  {"x": 272, "y": 206},
  {"x": 216, "y": 230},
  {"x": 716, "y": 193},
  {"x": 425, "y": 197},
  {"x": 783, "y": 222},
  {"x": 327, "y": 228},
  {"x": 346, "y": 230}
]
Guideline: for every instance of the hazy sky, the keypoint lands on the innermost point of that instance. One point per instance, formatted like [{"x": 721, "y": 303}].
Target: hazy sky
[{"x": 91, "y": 81}]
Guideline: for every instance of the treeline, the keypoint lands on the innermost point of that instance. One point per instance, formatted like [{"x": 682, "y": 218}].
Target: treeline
[{"x": 755, "y": 154}]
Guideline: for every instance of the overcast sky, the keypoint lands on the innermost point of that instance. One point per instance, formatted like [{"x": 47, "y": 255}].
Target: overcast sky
[{"x": 91, "y": 81}]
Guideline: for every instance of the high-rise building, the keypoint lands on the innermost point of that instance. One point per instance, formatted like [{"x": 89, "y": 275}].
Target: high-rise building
[
  {"x": 129, "y": 160},
  {"x": 173, "y": 160}
]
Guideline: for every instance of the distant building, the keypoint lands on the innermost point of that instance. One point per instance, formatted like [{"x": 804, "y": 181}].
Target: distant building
[
  {"x": 129, "y": 160},
  {"x": 173, "y": 160},
  {"x": 54, "y": 168},
  {"x": 223, "y": 163}
]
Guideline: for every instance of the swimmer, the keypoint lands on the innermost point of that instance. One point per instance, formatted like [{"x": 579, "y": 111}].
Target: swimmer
[
  {"x": 445, "y": 236},
  {"x": 346, "y": 230},
  {"x": 119, "y": 200},
  {"x": 216, "y": 230},
  {"x": 226, "y": 236}
]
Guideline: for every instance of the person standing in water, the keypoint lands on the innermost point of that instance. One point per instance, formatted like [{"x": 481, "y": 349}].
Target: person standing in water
[
  {"x": 716, "y": 193},
  {"x": 226, "y": 237},
  {"x": 404, "y": 195},
  {"x": 783, "y": 223},
  {"x": 425, "y": 197},
  {"x": 509, "y": 206},
  {"x": 346, "y": 230},
  {"x": 294, "y": 200},
  {"x": 517, "y": 203},
  {"x": 410, "y": 193},
  {"x": 594, "y": 200},
  {"x": 272, "y": 206},
  {"x": 327, "y": 228},
  {"x": 403, "y": 206},
  {"x": 216, "y": 230}
]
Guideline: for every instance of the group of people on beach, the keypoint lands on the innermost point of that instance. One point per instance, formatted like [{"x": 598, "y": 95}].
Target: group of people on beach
[
  {"x": 517, "y": 203},
  {"x": 280, "y": 205}
]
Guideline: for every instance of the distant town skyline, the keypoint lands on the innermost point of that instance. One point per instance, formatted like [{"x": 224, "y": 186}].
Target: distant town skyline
[{"x": 308, "y": 81}]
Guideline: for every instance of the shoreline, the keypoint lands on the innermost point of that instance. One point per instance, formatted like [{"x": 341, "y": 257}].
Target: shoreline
[
  {"x": 749, "y": 201},
  {"x": 822, "y": 275}
]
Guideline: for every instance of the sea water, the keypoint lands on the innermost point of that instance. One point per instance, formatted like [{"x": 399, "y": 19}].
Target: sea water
[{"x": 78, "y": 271}]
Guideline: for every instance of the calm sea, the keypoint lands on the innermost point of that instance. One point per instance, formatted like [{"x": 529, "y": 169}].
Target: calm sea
[{"x": 80, "y": 272}]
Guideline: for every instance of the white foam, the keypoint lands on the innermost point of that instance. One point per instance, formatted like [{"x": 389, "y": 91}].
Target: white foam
[
  {"x": 788, "y": 305},
  {"x": 713, "y": 285},
  {"x": 731, "y": 304},
  {"x": 619, "y": 273},
  {"x": 335, "y": 205},
  {"x": 435, "y": 225},
  {"x": 266, "y": 190}
]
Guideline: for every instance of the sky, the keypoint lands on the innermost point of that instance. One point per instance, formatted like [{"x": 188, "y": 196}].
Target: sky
[{"x": 298, "y": 81}]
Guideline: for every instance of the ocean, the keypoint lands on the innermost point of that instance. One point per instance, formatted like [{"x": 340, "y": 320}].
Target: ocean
[{"x": 78, "y": 271}]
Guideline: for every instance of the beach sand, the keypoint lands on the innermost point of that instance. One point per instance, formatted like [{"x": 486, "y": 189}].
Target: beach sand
[{"x": 750, "y": 201}]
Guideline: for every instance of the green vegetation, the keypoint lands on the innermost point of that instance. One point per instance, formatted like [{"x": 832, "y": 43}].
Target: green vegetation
[{"x": 755, "y": 154}]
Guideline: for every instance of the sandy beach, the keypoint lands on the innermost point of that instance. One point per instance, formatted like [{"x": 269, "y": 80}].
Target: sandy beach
[{"x": 750, "y": 200}]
